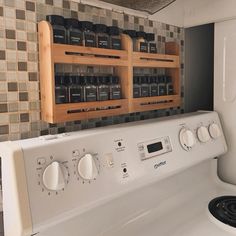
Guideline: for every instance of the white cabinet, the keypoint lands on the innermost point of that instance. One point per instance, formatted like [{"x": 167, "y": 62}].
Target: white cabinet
[{"x": 225, "y": 92}]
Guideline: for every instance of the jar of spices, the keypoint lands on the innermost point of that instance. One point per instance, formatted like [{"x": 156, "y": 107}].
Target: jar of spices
[
  {"x": 102, "y": 37},
  {"x": 161, "y": 85},
  {"x": 153, "y": 86},
  {"x": 136, "y": 87},
  {"x": 102, "y": 88},
  {"x": 89, "y": 37},
  {"x": 169, "y": 86},
  {"x": 145, "y": 90},
  {"x": 58, "y": 27},
  {"x": 150, "y": 37},
  {"x": 74, "y": 34},
  {"x": 115, "y": 38},
  {"x": 61, "y": 95},
  {"x": 90, "y": 88},
  {"x": 115, "y": 88},
  {"x": 75, "y": 89},
  {"x": 141, "y": 43}
]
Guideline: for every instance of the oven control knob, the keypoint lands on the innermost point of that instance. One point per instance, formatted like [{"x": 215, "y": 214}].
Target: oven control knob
[
  {"x": 187, "y": 139},
  {"x": 215, "y": 131},
  {"x": 87, "y": 168},
  {"x": 55, "y": 176},
  {"x": 203, "y": 134}
]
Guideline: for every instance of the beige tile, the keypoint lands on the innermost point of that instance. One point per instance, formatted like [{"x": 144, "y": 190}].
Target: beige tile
[
  {"x": 12, "y": 97},
  {"x": 14, "y": 118},
  {"x": 24, "y": 106},
  {"x": 20, "y": 4},
  {"x": 10, "y": 24},
  {"x": 11, "y": 76},
  {"x": 14, "y": 128},
  {"x": 14, "y": 136},
  {"x": 2, "y": 66},
  {"x": 11, "y": 55},
  {"x": 22, "y": 76},
  {"x": 4, "y": 118},
  {"x": 20, "y": 25},
  {"x": 11, "y": 44},
  {"x": 13, "y": 107}
]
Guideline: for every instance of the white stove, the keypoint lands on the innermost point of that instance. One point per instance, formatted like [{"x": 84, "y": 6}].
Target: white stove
[{"x": 154, "y": 177}]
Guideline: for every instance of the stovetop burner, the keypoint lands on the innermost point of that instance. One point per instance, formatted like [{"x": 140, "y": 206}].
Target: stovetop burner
[{"x": 224, "y": 209}]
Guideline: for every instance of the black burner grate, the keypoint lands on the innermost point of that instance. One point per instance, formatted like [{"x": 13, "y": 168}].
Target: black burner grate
[{"x": 224, "y": 209}]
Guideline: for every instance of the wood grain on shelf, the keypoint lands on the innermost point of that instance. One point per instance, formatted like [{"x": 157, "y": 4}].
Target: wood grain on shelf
[
  {"x": 46, "y": 71},
  {"x": 87, "y": 110},
  {"x": 88, "y": 56},
  {"x": 152, "y": 60},
  {"x": 125, "y": 73},
  {"x": 147, "y": 104}
]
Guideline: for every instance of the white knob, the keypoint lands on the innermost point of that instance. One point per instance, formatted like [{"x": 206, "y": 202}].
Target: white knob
[
  {"x": 54, "y": 176},
  {"x": 87, "y": 167},
  {"x": 203, "y": 134},
  {"x": 215, "y": 131},
  {"x": 187, "y": 139}
]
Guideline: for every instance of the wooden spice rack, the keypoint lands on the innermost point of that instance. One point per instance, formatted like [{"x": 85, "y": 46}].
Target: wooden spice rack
[{"x": 124, "y": 61}]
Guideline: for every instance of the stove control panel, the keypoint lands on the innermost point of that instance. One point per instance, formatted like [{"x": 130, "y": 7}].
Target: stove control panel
[
  {"x": 66, "y": 174},
  {"x": 155, "y": 147}
]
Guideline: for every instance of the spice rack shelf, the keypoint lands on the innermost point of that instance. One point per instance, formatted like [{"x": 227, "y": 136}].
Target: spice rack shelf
[
  {"x": 141, "y": 59},
  {"x": 123, "y": 61}
]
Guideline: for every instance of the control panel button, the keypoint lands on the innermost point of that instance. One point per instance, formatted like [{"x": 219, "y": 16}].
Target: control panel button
[
  {"x": 203, "y": 134},
  {"x": 87, "y": 168},
  {"x": 109, "y": 160},
  {"x": 187, "y": 139},
  {"x": 215, "y": 131},
  {"x": 54, "y": 176}
]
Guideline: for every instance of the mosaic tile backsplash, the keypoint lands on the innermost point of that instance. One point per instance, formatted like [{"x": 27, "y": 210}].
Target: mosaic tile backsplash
[{"x": 19, "y": 65}]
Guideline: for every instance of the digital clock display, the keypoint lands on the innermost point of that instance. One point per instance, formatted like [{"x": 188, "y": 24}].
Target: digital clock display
[{"x": 154, "y": 147}]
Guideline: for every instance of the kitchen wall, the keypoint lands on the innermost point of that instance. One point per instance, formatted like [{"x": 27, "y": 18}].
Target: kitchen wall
[
  {"x": 188, "y": 13},
  {"x": 19, "y": 76}
]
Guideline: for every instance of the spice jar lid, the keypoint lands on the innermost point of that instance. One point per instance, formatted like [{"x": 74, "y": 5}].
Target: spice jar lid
[
  {"x": 86, "y": 25},
  {"x": 55, "y": 20},
  {"x": 115, "y": 80},
  {"x": 131, "y": 33},
  {"x": 136, "y": 79},
  {"x": 144, "y": 79},
  {"x": 71, "y": 22},
  {"x": 99, "y": 28},
  {"x": 113, "y": 30},
  {"x": 102, "y": 80},
  {"x": 150, "y": 37},
  {"x": 140, "y": 34}
]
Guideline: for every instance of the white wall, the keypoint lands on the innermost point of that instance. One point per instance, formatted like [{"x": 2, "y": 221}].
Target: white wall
[
  {"x": 188, "y": 13},
  {"x": 173, "y": 14}
]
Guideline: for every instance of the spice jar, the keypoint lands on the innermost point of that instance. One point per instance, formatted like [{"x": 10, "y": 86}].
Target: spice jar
[
  {"x": 115, "y": 88},
  {"x": 102, "y": 88},
  {"x": 89, "y": 37},
  {"x": 75, "y": 89},
  {"x": 141, "y": 43},
  {"x": 58, "y": 27},
  {"x": 90, "y": 89},
  {"x": 151, "y": 42},
  {"x": 74, "y": 34},
  {"x": 102, "y": 37},
  {"x": 136, "y": 87},
  {"x": 115, "y": 38},
  {"x": 61, "y": 95}
]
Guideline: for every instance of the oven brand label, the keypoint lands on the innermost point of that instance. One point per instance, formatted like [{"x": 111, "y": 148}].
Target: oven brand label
[{"x": 156, "y": 166}]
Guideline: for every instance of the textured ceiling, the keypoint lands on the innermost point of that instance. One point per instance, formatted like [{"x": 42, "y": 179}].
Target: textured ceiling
[{"x": 150, "y": 6}]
